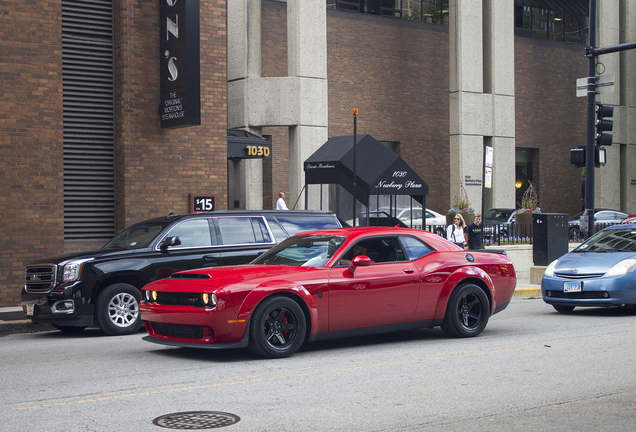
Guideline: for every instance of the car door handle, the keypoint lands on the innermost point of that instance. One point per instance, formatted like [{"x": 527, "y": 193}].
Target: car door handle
[
  {"x": 210, "y": 257},
  {"x": 409, "y": 270}
]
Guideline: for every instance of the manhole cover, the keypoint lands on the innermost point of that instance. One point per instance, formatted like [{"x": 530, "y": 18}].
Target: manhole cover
[{"x": 196, "y": 420}]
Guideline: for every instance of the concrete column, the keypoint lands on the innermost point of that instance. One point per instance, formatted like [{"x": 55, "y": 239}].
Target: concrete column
[
  {"x": 307, "y": 60},
  {"x": 245, "y": 177},
  {"x": 613, "y": 182},
  {"x": 482, "y": 97}
]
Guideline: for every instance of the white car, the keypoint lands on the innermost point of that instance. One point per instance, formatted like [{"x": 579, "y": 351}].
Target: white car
[{"x": 432, "y": 219}]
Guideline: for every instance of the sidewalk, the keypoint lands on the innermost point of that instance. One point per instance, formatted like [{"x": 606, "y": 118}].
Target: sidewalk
[{"x": 13, "y": 320}]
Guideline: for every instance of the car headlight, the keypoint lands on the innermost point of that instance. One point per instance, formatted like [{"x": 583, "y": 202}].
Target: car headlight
[
  {"x": 151, "y": 296},
  {"x": 209, "y": 300},
  {"x": 72, "y": 270},
  {"x": 621, "y": 268},
  {"x": 550, "y": 270}
]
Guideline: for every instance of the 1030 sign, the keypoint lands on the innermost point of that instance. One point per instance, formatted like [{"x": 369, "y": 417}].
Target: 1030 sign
[{"x": 257, "y": 151}]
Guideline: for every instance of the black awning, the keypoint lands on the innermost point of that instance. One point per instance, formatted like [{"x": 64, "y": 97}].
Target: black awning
[{"x": 379, "y": 170}]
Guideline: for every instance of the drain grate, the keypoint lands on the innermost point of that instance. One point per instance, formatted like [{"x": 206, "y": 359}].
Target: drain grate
[{"x": 196, "y": 420}]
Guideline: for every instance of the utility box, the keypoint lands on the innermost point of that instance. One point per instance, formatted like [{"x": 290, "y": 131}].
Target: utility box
[{"x": 550, "y": 237}]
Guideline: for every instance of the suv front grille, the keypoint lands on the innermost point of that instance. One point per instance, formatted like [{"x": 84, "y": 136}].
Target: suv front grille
[{"x": 40, "y": 278}]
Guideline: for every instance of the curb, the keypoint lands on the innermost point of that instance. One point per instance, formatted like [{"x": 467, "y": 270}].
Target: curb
[{"x": 527, "y": 292}]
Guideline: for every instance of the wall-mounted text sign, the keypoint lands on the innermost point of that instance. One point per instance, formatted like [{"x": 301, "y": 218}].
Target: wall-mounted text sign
[
  {"x": 179, "y": 59},
  {"x": 202, "y": 203}
]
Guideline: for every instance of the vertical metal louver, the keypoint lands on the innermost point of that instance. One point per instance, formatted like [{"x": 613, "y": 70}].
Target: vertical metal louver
[{"x": 89, "y": 119}]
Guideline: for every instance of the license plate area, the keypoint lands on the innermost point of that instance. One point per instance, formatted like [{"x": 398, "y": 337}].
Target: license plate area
[{"x": 571, "y": 287}]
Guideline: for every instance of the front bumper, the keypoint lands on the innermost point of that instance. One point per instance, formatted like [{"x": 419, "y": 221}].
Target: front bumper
[
  {"x": 601, "y": 291},
  {"x": 60, "y": 306},
  {"x": 189, "y": 326}
]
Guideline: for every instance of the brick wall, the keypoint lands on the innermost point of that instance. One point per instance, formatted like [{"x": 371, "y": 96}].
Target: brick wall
[
  {"x": 158, "y": 168},
  {"x": 30, "y": 139},
  {"x": 549, "y": 117}
]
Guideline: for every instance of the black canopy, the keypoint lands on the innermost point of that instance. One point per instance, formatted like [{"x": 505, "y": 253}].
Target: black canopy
[{"x": 379, "y": 170}]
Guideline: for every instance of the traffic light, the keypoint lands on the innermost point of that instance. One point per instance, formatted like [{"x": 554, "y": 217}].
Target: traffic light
[{"x": 603, "y": 124}]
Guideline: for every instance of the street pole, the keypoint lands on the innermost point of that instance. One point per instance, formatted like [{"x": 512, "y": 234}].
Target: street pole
[
  {"x": 590, "y": 150},
  {"x": 355, "y": 175}
]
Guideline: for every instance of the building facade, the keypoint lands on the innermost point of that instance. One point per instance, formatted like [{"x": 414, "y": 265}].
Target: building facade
[{"x": 84, "y": 154}]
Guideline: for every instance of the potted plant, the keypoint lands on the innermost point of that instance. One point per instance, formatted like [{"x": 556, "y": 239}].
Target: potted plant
[
  {"x": 461, "y": 205},
  {"x": 529, "y": 205}
]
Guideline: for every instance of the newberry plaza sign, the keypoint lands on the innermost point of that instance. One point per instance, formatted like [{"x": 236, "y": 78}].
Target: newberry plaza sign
[{"x": 179, "y": 57}]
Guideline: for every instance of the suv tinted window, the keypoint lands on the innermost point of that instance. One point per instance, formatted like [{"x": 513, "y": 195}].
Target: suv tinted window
[
  {"x": 242, "y": 230},
  {"x": 297, "y": 224},
  {"x": 193, "y": 233}
]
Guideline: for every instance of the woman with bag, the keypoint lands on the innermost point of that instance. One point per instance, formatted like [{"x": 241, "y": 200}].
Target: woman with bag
[{"x": 455, "y": 232}]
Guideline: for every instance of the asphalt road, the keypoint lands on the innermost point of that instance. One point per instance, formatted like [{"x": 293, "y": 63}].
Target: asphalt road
[{"x": 532, "y": 370}]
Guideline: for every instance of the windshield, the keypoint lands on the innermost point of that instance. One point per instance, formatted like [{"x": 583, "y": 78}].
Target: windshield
[
  {"x": 307, "y": 251},
  {"x": 501, "y": 215},
  {"x": 137, "y": 236},
  {"x": 611, "y": 240}
]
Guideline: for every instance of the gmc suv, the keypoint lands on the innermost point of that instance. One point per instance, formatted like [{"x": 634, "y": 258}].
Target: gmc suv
[{"x": 103, "y": 287}]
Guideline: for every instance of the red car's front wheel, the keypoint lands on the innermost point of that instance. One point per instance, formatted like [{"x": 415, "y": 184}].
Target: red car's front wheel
[{"x": 277, "y": 328}]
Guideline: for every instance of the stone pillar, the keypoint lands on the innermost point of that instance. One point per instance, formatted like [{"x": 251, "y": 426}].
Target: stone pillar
[
  {"x": 245, "y": 176},
  {"x": 307, "y": 60},
  {"x": 614, "y": 183},
  {"x": 298, "y": 100},
  {"x": 482, "y": 98}
]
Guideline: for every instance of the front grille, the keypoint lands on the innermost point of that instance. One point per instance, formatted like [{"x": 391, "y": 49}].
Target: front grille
[
  {"x": 579, "y": 276},
  {"x": 40, "y": 278},
  {"x": 179, "y": 299},
  {"x": 178, "y": 331},
  {"x": 583, "y": 295}
]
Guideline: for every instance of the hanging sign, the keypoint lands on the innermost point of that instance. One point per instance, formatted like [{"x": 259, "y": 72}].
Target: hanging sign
[{"x": 179, "y": 59}]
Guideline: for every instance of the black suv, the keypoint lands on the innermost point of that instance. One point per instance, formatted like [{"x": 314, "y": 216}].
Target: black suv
[{"x": 104, "y": 286}]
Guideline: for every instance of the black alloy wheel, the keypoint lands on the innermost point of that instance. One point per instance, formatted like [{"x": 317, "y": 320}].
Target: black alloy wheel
[
  {"x": 277, "y": 328},
  {"x": 467, "y": 312}
]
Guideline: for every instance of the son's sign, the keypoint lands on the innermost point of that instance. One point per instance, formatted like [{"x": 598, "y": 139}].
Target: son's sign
[{"x": 179, "y": 59}]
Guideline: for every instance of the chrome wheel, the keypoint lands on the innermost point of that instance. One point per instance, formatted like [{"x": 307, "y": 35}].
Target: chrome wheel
[{"x": 123, "y": 310}]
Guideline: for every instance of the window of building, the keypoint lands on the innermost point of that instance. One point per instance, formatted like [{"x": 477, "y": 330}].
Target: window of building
[
  {"x": 565, "y": 21},
  {"x": 525, "y": 166}
]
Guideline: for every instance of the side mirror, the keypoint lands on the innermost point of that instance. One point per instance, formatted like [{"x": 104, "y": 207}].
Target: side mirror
[
  {"x": 360, "y": 260},
  {"x": 170, "y": 241}
]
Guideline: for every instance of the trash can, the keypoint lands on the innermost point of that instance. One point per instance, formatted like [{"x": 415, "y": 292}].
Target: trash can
[{"x": 550, "y": 237}]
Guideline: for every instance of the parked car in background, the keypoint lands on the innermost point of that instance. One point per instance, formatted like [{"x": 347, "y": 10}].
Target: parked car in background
[
  {"x": 403, "y": 217},
  {"x": 600, "y": 272},
  {"x": 602, "y": 219},
  {"x": 104, "y": 286},
  {"x": 498, "y": 223},
  {"x": 331, "y": 283},
  {"x": 413, "y": 219},
  {"x": 629, "y": 219}
]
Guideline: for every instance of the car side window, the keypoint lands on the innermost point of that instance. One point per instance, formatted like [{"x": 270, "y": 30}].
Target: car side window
[
  {"x": 193, "y": 233},
  {"x": 277, "y": 230},
  {"x": 380, "y": 250},
  {"x": 242, "y": 230},
  {"x": 414, "y": 247}
]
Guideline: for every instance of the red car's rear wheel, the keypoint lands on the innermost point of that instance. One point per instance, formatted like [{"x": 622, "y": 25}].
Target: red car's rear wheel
[{"x": 467, "y": 312}]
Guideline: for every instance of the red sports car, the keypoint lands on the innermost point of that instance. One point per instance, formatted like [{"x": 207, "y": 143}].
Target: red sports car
[{"x": 330, "y": 283}]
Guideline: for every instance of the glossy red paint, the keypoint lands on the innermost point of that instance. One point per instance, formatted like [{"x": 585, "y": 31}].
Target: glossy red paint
[{"x": 334, "y": 299}]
